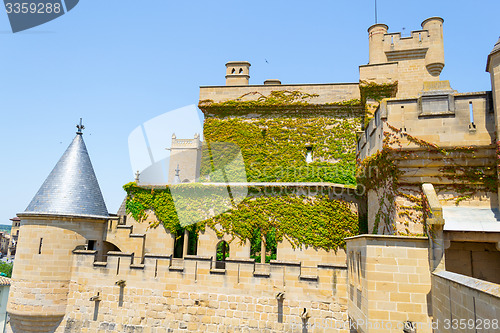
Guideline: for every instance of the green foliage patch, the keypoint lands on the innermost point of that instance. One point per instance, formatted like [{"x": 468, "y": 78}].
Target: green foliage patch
[
  {"x": 274, "y": 149},
  {"x": 382, "y": 173},
  {"x": 304, "y": 221},
  {"x": 277, "y": 102},
  {"x": 6, "y": 268}
]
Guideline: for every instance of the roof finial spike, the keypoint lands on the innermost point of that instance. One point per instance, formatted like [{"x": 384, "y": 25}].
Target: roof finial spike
[{"x": 80, "y": 128}]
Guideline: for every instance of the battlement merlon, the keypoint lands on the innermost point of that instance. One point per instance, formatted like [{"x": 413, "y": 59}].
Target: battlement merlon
[
  {"x": 425, "y": 44},
  {"x": 186, "y": 143}
]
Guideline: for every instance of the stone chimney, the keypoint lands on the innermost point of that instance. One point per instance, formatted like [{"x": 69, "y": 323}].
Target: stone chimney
[{"x": 237, "y": 73}]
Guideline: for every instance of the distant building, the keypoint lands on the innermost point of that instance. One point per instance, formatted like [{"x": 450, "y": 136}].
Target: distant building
[
  {"x": 4, "y": 297},
  {"x": 14, "y": 234},
  {"x": 4, "y": 243}
]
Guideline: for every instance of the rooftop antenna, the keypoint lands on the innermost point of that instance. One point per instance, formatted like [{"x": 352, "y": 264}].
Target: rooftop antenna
[
  {"x": 376, "y": 21},
  {"x": 80, "y": 128}
]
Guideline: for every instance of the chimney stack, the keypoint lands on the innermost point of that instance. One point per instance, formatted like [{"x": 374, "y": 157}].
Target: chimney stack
[{"x": 237, "y": 73}]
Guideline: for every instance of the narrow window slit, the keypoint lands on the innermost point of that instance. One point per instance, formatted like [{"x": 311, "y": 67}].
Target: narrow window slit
[{"x": 472, "y": 126}]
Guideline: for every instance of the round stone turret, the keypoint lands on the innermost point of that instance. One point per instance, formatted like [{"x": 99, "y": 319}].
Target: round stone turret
[
  {"x": 434, "y": 59},
  {"x": 67, "y": 213},
  {"x": 375, "y": 41}
]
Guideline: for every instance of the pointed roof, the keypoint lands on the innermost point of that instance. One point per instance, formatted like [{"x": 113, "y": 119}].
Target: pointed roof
[
  {"x": 496, "y": 49},
  {"x": 71, "y": 188}
]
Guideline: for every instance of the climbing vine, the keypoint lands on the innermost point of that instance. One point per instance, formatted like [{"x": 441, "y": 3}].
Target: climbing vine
[
  {"x": 302, "y": 220},
  {"x": 381, "y": 172},
  {"x": 375, "y": 92},
  {"x": 274, "y": 149},
  {"x": 279, "y": 101}
]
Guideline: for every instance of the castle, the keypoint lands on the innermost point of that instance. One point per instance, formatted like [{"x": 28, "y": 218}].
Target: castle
[{"x": 346, "y": 207}]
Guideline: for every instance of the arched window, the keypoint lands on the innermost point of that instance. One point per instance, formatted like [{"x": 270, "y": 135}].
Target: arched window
[
  {"x": 263, "y": 252},
  {"x": 222, "y": 254},
  {"x": 309, "y": 153}
]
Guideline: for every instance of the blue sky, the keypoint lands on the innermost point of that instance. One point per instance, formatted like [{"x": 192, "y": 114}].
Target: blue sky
[{"x": 119, "y": 63}]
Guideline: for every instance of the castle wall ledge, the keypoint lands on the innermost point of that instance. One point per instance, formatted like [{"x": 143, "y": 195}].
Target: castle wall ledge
[
  {"x": 421, "y": 149},
  {"x": 286, "y": 85},
  {"x": 200, "y": 258},
  {"x": 156, "y": 256},
  {"x": 85, "y": 252},
  {"x": 260, "y": 184},
  {"x": 472, "y": 93},
  {"x": 388, "y": 237},
  {"x": 382, "y": 64},
  {"x": 481, "y": 286},
  {"x": 63, "y": 217},
  {"x": 119, "y": 254}
]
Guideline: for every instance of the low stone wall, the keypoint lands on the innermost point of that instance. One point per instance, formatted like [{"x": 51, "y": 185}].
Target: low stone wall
[
  {"x": 191, "y": 294},
  {"x": 464, "y": 304}
]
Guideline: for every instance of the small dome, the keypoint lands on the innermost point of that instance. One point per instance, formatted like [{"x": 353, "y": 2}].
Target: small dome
[{"x": 71, "y": 188}]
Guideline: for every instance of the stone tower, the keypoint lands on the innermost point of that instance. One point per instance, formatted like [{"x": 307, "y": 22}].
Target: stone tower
[
  {"x": 68, "y": 212},
  {"x": 410, "y": 60},
  {"x": 493, "y": 67},
  {"x": 185, "y": 154},
  {"x": 237, "y": 73}
]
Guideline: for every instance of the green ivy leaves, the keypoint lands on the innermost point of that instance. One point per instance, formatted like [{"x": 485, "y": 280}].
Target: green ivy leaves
[{"x": 304, "y": 221}]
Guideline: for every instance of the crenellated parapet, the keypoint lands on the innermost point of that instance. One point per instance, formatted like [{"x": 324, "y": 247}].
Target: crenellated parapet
[
  {"x": 195, "y": 293},
  {"x": 409, "y": 60}
]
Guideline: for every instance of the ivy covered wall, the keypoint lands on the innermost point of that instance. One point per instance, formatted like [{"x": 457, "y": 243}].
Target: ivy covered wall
[
  {"x": 274, "y": 133},
  {"x": 303, "y": 220},
  {"x": 274, "y": 149},
  {"x": 395, "y": 176},
  {"x": 269, "y": 137}
]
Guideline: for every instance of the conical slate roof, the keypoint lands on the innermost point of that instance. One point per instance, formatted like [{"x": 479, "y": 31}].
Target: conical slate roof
[{"x": 71, "y": 188}]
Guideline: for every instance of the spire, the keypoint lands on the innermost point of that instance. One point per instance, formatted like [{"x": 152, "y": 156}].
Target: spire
[
  {"x": 80, "y": 128},
  {"x": 71, "y": 188}
]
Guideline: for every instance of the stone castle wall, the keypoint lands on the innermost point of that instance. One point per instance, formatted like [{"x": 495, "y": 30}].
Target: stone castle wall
[
  {"x": 426, "y": 137},
  {"x": 464, "y": 304},
  {"x": 192, "y": 295},
  {"x": 389, "y": 282}
]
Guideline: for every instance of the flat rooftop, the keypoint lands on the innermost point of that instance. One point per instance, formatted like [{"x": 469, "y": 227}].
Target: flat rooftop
[{"x": 472, "y": 219}]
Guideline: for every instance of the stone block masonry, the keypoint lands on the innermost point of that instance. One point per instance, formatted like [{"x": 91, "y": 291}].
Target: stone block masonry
[
  {"x": 465, "y": 304},
  {"x": 389, "y": 282},
  {"x": 196, "y": 297}
]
